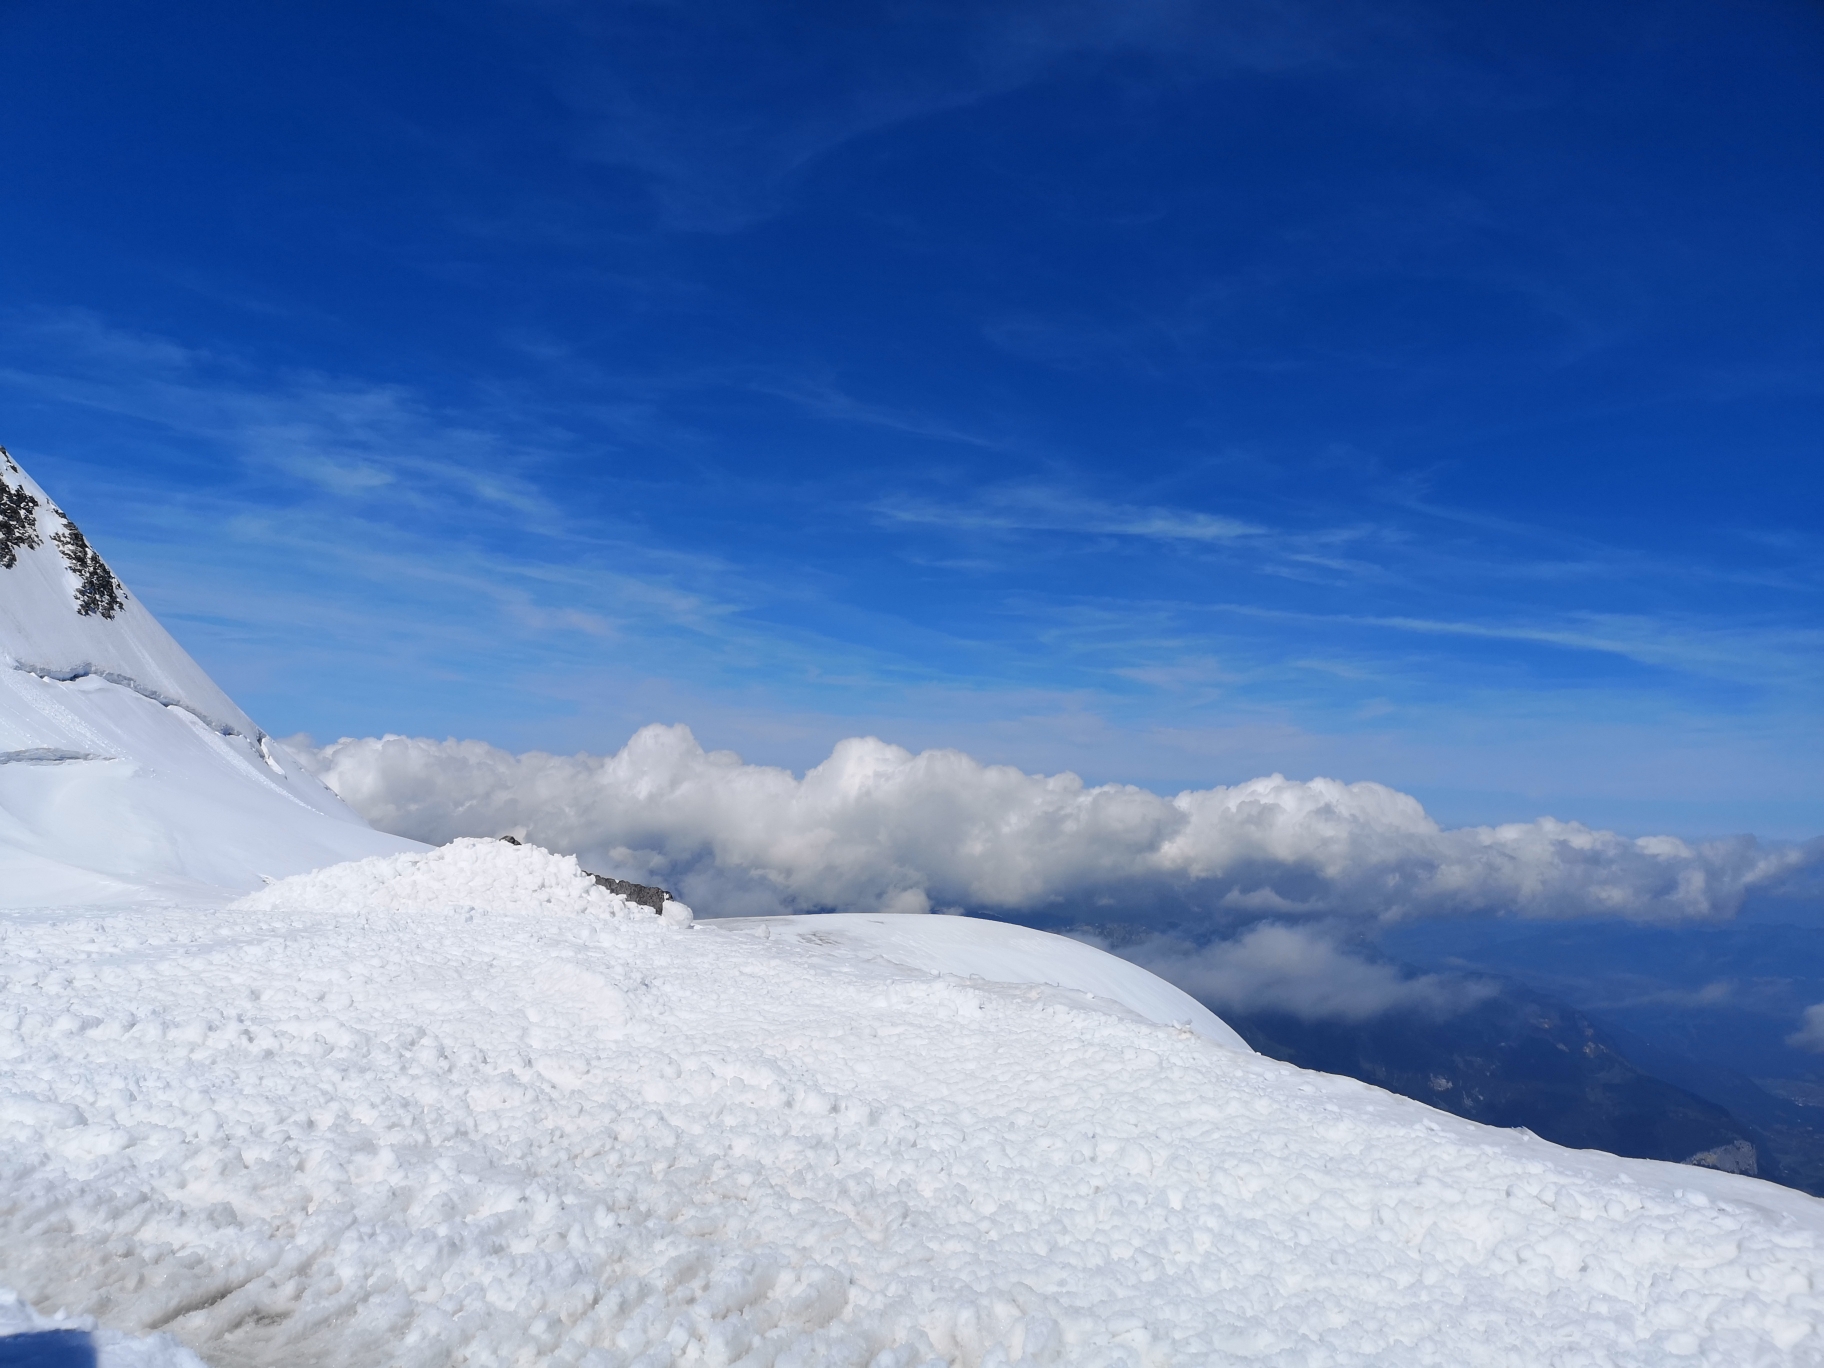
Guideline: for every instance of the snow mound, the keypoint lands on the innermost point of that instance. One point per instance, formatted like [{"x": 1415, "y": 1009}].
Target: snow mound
[
  {"x": 998, "y": 952},
  {"x": 468, "y": 874}
]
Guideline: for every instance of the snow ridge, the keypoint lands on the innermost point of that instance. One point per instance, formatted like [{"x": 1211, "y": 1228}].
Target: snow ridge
[
  {"x": 65, "y": 615},
  {"x": 85, "y": 670}
]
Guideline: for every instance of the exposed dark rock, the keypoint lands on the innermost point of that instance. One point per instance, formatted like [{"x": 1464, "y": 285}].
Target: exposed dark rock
[
  {"x": 97, "y": 591},
  {"x": 643, "y": 894},
  {"x": 18, "y": 517}
]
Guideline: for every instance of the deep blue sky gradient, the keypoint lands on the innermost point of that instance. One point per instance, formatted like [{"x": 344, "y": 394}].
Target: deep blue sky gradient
[{"x": 1418, "y": 392}]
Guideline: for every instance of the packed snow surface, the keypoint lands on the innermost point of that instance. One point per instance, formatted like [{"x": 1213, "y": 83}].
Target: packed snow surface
[
  {"x": 1003, "y": 953},
  {"x": 482, "y": 1123},
  {"x": 126, "y": 774}
]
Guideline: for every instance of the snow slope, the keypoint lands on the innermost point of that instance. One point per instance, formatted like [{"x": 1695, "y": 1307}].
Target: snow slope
[
  {"x": 125, "y": 772},
  {"x": 1001, "y": 953},
  {"x": 483, "y": 1123}
]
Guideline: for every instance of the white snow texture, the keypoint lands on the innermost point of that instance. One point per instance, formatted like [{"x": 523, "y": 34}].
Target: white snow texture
[
  {"x": 465, "y": 1107},
  {"x": 877, "y": 827},
  {"x": 421, "y": 1131}
]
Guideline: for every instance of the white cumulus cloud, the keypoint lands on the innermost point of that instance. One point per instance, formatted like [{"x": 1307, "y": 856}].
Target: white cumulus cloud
[
  {"x": 1810, "y": 1035},
  {"x": 878, "y": 827}
]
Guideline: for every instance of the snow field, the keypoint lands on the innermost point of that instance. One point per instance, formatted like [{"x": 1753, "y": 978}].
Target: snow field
[
  {"x": 1000, "y": 952},
  {"x": 304, "y": 1130}
]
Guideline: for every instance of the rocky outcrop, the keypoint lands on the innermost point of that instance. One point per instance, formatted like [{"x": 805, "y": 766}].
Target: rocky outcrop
[
  {"x": 97, "y": 590},
  {"x": 646, "y": 895},
  {"x": 18, "y": 517},
  {"x": 99, "y": 593}
]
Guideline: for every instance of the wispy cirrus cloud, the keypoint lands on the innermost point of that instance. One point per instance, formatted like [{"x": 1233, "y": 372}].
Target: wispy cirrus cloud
[
  {"x": 323, "y": 492},
  {"x": 1138, "y": 637},
  {"x": 1036, "y": 508},
  {"x": 823, "y": 398},
  {"x": 340, "y": 435},
  {"x": 720, "y": 144},
  {"x": 1752, "y": 653}
]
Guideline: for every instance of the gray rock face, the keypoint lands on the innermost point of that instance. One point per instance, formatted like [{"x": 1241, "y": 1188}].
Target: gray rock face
[
  {"x": 644, "y": 894},
  {"x": 98, "y": 592},
  {"x": 18, "y": 517}
]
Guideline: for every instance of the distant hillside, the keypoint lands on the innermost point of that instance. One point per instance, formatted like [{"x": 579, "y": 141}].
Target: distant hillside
[{"x": 1520, "y": 1059}]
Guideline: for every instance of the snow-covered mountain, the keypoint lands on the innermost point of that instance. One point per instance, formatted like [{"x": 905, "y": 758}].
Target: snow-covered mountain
[
  {"x": 465, "y": 1106},
  {"x": 125, "y": 771}
]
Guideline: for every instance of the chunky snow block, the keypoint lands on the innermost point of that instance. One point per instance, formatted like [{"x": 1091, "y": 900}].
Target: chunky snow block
[{"x": 647, "y": 895}]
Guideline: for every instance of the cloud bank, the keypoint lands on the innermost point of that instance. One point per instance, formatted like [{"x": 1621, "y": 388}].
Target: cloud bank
[
  {"x": 875, "y": 827},
  {"x": 1272, "y": 967}
]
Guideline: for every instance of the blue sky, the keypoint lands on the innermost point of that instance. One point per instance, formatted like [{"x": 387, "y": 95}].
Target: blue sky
[{"x": 1169, "y": 392}]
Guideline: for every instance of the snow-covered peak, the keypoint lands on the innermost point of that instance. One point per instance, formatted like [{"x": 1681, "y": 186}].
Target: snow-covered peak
[
  {"x": 65, "y": 615},
  {"x": 125, "y": 771}
]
